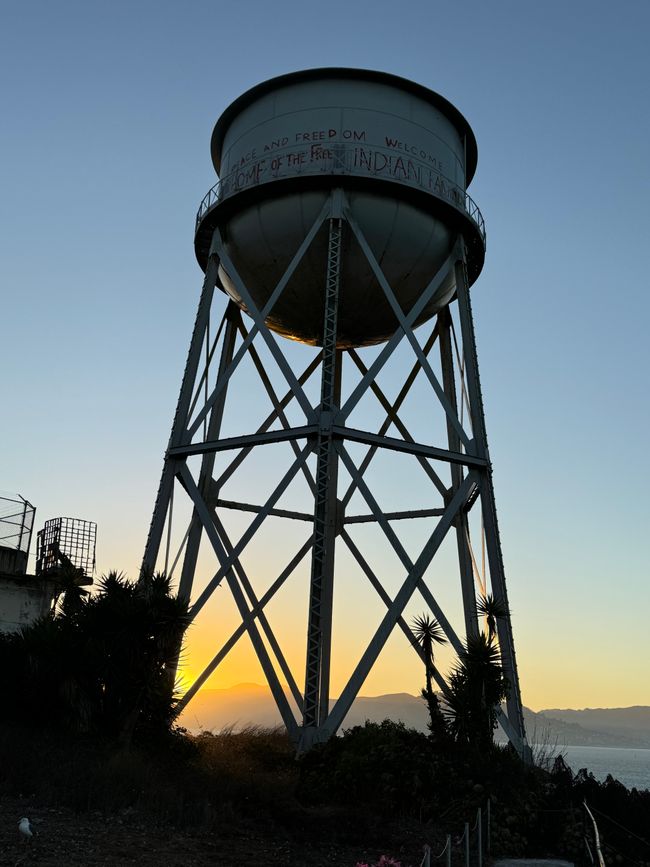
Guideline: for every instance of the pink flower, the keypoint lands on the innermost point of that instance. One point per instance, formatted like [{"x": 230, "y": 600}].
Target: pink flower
[{"x": 384, "y": 861}]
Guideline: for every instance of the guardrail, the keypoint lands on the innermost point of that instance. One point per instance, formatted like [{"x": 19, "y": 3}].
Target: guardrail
[
  {"x": 340, "y": 159},
  {"x": 599, "y": 860},
  {"x": 473, "y": 846}
]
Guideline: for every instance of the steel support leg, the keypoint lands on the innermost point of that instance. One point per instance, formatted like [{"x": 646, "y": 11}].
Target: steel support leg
[
  {"x": 205, "y": 484},
  {"x": 488, "y": 506},
  {"x": 319, "y": 634},
  {"x": 457, "y": 474},
  {"x": 179, "y": 425}
]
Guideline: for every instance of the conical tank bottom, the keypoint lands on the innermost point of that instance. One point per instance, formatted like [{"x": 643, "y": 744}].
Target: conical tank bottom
[{"x": 409, "y": 244}]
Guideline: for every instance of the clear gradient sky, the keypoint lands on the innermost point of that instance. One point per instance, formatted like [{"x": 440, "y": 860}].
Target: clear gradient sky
[{"x": 106, "y": 113}]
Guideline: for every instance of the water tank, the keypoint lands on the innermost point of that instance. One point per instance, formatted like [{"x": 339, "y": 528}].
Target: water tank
[{"x": 404, "y": 157}]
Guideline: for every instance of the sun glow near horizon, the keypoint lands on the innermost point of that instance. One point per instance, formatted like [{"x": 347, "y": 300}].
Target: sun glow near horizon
[{"x": 559, "y": 681}]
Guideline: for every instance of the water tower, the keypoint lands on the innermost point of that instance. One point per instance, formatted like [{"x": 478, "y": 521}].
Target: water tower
[{"x": 340, "y": 221}]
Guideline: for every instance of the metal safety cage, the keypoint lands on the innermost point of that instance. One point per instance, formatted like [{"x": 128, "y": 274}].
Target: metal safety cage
[{"x": 66, "y": 544}]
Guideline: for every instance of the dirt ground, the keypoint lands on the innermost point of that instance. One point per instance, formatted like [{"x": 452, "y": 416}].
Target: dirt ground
[{"x": 63, "y": 838}]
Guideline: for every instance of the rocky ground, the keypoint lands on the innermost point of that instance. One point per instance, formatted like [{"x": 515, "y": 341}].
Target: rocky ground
[{"x": 64, "y": 838}]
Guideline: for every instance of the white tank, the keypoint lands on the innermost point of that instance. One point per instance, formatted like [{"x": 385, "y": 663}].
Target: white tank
[{"x": 402, "y": 154}]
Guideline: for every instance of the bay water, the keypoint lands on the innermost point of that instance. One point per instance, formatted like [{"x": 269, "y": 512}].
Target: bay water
[{"x": 630, "y": 766}]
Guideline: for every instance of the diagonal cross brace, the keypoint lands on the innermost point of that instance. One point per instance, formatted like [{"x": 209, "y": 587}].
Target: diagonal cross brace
[
  {"x": 342, "y": 705},
  {"x": 259, "y": 317},
  {"x": 243, "y": 626},
  {"x": 278, "y": 410},
  {"x": 506, "y": 725},
  {"x": 266, "y": 424},
  {"x": 227, "y": 561},
  {"x": 210, "y": 351},
  {"x": 399, "y": 548},
  {"x": 244, "y": 611},
  {"x": 396, "y": 339},
  {"x": 393, "y": 417},
  {"x": 405, "y": 323},
  {"x": 383, "y": 595},
  {"x": 264, "y": 623}
]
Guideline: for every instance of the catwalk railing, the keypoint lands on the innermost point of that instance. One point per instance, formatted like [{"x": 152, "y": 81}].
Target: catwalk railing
[{"x": 353, "y": 160}]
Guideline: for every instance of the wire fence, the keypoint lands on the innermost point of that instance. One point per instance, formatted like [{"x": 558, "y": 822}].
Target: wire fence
[{"x": 16, "y": 522}]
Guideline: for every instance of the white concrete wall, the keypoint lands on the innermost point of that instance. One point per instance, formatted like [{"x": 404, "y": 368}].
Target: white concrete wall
[{"x": 22, "y": 602}]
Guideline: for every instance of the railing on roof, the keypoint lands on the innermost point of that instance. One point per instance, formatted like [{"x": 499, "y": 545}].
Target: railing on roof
[
  {"x": 16, "y": 522},
  {"x": 357, "y": 161}
]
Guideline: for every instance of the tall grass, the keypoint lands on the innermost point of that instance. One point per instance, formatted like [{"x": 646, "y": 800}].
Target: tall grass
[{"x": 183, "y": 780}]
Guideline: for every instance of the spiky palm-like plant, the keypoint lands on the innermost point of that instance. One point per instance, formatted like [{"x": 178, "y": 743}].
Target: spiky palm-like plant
[
  {"x": 477, "y": 686},
  {"x": 427, "y": 632},
  {"x": 101, "y": 663},
  {"x": 138, "y": 628},
  {"x": 492, "y": 608}
]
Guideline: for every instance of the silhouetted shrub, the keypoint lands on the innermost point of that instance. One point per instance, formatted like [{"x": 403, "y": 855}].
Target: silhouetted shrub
[{"x": 100, "y": 665}]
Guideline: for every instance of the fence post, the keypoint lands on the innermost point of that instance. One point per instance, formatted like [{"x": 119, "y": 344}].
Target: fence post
[
  {"x": 488, "y": 829},
  {"x": 448, "y": 848},
  {"x": 466, "y": 836},
  {"x": 479, "y": 834}
]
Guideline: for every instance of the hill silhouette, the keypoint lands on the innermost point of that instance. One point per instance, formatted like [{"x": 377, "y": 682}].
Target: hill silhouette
[{"x": 252, "y": 704}]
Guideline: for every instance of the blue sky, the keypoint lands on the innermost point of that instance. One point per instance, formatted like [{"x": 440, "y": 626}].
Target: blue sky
[{"x": 106, "y": 115}]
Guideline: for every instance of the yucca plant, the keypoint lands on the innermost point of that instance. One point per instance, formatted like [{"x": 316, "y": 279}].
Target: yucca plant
[
  {"x": 492, "y": 608},
  {"x": 100, "y": 663},
  {"x": 477, "y": 686},
  {"x": 428, "y": 632}
]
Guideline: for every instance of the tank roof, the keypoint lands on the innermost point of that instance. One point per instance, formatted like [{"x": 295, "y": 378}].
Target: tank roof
[{"x": 405, "y": 84}]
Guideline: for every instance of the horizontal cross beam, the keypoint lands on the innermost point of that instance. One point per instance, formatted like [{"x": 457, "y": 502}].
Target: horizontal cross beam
[
  {"x": 230, "y": 443},
  {"x": 411, "y": 448},
  {"x": 278, "y": 513},
  {"x": 395, "y": 516}
]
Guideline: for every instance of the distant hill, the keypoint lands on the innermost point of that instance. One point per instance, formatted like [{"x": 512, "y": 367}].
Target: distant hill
[
  {"x": 629, "y": 724},
  {"x": 545, "y": 727},
  {"x": 252, "y": 704}
]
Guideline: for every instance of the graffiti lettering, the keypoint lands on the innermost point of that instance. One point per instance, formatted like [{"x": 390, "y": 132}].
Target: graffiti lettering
[
  {"x": 414, "y": 150},
  {"x": 318, "y": 152},
  {"x": 276, "y": 143},
  {"x": 405, "y": 169},
  {"x": 392, "y": 162},
  {"x": 246, "y": 158},
  {"x": 316, "y": 135},
  {"x": 327, "y": 134},
  {"x": 250, "y": 175}
]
